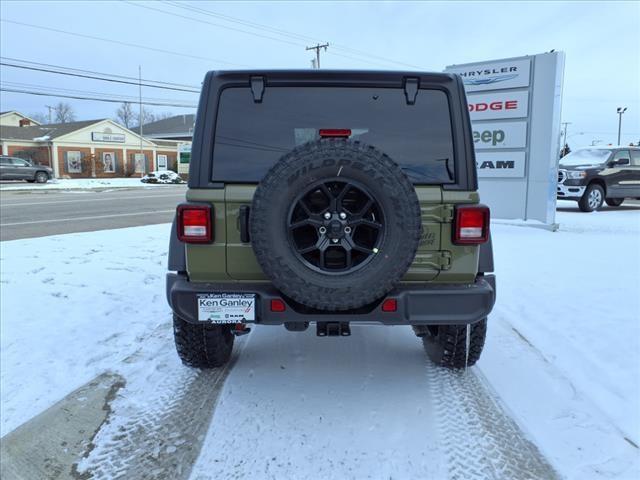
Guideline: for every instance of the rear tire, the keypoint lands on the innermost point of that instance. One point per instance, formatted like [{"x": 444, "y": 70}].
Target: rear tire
[
  {"x": 614, "y": 202},
  {"x": 202, "y": 345},
  {"x": 592, "y": 199},
  {"x": 446, "y": 345}
]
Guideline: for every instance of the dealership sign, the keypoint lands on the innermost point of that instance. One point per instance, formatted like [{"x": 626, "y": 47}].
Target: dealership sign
[
  {"x": 500, "y": 164},
  {"x": 494, "y": 75},
  {"x": 498, "y": 135},
  {"x": 514, "y": 106},
  {"x": 491, "y": 106},
  {"x": 107, "y": 137}
]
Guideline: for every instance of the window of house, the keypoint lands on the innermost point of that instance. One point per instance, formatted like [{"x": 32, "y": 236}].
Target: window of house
[
  {"x": 74, "y": 162},
  {"x": 139, "y": 162},
  {"x": 109, "y": 162}
]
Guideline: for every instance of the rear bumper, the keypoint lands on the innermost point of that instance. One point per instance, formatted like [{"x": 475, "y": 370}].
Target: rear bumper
[{"x": 417, "y": 304}]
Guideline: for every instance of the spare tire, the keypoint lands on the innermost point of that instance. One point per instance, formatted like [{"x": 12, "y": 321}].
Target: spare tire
[{"x": 335, "y": 224}]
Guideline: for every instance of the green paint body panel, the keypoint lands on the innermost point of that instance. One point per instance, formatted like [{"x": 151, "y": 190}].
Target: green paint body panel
[{"x": 227, "y": 259}]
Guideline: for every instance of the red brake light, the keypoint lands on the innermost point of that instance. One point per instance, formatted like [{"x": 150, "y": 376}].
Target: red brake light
[
  {"x": 390, "y": 305},
  {"x": 335, "y": 132},
  {"x": 278, "y": 305},
  {"x": 194, "y": 223},
  {"x": 471, "y": 225}
]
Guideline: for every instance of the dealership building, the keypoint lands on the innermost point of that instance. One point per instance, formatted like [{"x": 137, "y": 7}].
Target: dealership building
[{"x": 85, "y": 149}]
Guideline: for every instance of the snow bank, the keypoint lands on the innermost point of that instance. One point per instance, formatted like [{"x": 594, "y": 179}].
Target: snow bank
[
  {"x": 73, "y": 306},
  {"x": 572, "y": 375},
  {"x": 575, "y": 295},
  {"x": 563, "y": 356},
  {"x": 162, "y": 176},
  {"x": 80, "y": 183}
]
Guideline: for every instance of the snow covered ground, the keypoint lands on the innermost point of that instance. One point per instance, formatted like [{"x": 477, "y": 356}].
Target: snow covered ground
[
  {"x": 559, "y": 380},
  {"x": 80, "y": 184}
]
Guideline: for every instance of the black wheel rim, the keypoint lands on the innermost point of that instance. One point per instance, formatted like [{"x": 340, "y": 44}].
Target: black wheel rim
[{"x": 336, "y": 226}]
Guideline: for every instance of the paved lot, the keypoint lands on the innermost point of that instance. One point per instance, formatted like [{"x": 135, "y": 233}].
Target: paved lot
[{"x": 28, "y": 214}]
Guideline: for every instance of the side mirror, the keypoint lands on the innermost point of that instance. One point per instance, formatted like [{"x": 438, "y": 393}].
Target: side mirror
[{"x": 622, "y": 161}]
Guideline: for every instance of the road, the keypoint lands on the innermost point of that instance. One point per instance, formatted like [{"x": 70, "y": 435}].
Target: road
[{"x": 28, "y": 214}]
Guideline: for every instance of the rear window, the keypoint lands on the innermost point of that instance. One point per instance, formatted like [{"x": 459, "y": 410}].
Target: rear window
[{"x": 251, "y": 137}]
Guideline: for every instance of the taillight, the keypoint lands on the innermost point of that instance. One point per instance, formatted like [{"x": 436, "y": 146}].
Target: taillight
[
  {"x": 335, "y": 132},
  {"x": 390, "y": 305},
  {"x": 195, "y": 223},
  {"x": 471, "y": 225},
  {"x": 277, "y": 305}
]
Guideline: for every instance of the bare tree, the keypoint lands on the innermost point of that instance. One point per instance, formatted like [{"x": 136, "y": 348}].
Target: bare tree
[
  {"x": 147, "y": 117},
  {"x": 125, "y": 115},
  {"x": 39, "y": 117},
  {"x": 64, "y": 113}
]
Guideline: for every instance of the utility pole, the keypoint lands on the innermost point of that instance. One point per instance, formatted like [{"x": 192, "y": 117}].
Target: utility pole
[
  {"x": 50, "y": 109},
  {"x": 317, "y": 49},
  {"x": 620, "y": 111},
  {"x": 140, "y": 122}
]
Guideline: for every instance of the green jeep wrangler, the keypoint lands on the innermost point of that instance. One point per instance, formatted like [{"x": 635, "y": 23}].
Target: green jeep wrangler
[{"x": 333, "y": 198}]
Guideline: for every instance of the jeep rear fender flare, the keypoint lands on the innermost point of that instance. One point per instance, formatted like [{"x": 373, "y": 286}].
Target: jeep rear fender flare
[
  {"x": 176, "y": 259},
  {"x": 485, "y": 263}
]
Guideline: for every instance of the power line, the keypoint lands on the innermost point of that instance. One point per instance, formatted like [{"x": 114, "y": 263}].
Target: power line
[
  {"x": 205, "y": 12},
  {"x": 78, "y": 97},
  {"x": 93, "y": 77},
  {"x": 209, "y": 23},
  {"x": 91, "y": 72},
  {"x": 306, "y": 38},
  {"x": 118, "y": 42},
  {"x": 126, "y": 98}
]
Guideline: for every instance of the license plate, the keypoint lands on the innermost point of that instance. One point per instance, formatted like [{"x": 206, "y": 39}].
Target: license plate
[{"x": 226, "y": 307}]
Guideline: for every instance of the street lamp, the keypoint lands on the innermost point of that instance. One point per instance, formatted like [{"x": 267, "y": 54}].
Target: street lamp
[{"x": 621, "y": 110}]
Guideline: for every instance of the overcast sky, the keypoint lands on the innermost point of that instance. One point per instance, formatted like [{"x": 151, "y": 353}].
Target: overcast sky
[{"x": 601, "y": 41}]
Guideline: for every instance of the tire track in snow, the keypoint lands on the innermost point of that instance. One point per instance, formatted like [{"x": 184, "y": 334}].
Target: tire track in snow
[
  {"x": 481, "y": 440},
  {"x": 157, "y": 435}
]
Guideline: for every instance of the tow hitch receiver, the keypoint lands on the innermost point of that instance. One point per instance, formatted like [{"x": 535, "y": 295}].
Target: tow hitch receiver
[
  {"x": 333, "y": 329},
  {"x": 240, "y": 329}
]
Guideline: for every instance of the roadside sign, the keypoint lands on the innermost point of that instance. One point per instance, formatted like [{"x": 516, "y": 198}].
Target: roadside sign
[
  {"x": 500, "y": 164},
  {"x": 497, "y": 135},
  {"x": 490, "y": 106},
  {"x": 514, "y": 106},
  {"x": 495, "y": 75}
]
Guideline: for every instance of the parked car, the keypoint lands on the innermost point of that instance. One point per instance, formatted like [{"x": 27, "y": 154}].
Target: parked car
[
  {"x": 595, "y": 175},
  {"x": 13, "y": 168},
  {"x": 334, "y": 198}
]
